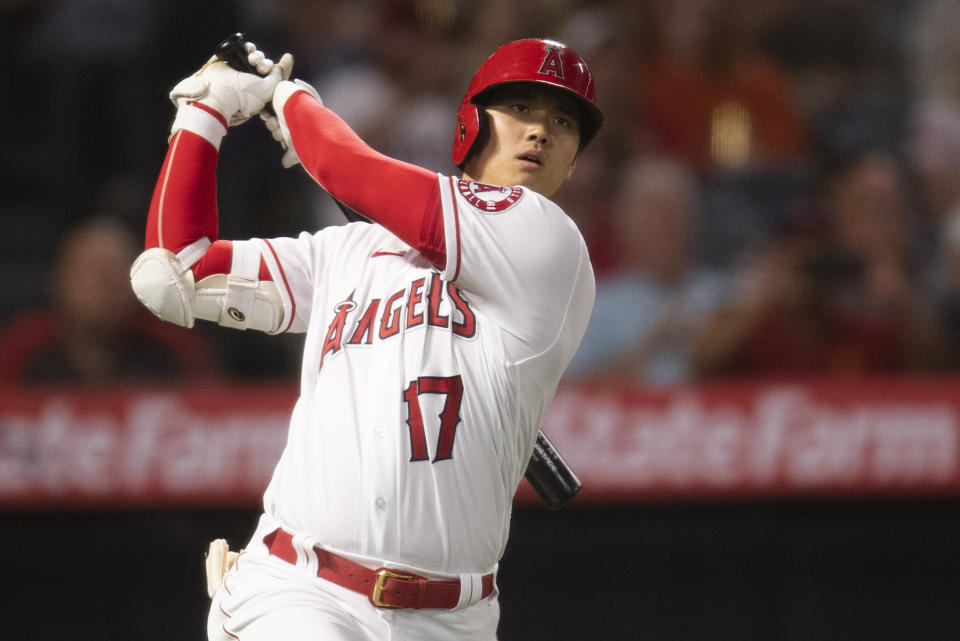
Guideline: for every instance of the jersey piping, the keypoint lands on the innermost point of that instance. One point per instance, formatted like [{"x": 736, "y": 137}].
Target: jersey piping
[{"x": 289, "y": 301}]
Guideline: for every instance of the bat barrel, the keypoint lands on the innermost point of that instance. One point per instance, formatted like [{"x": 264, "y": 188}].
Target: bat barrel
[{"x": 550, "y": 475}]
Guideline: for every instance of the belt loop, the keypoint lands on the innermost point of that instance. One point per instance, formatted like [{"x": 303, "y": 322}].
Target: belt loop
[
  {"x": 471, "y": 590},
  {"x": 421, "y": 593},
  {"x": 306, "y": 554}
]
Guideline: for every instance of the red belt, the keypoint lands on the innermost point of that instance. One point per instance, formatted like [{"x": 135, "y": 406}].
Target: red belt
[{"x": 384, "y": 587}]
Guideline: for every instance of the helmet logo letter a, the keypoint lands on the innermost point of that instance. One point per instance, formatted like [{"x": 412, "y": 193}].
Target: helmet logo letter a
[{"x": 552, "y": 62}]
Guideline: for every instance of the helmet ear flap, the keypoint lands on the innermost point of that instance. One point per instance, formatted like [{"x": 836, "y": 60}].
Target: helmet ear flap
[
  {"x": 481, "y": 137},
  {"x": 468, "y": 128}
]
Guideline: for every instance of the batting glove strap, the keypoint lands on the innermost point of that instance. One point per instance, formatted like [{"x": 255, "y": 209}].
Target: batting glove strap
[{"x": 201, "y": 120}]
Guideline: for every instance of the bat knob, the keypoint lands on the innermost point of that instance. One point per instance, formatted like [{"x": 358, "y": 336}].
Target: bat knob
[{"x": 233, "y": 52}]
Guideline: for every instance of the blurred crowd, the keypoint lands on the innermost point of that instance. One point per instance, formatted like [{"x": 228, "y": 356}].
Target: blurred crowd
[{"x": 776, "y": 191}]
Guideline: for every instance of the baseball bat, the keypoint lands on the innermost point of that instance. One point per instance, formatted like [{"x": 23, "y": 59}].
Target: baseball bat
[
  {"x": 550, "y": 475},
  {"x": 547, "y": 472}
]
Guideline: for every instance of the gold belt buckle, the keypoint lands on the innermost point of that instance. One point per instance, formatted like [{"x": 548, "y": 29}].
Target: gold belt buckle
[{"x": 382, "y": 576}]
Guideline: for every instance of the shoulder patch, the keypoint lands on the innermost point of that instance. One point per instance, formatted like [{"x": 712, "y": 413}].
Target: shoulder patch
[{"x": 490, "y": 198}]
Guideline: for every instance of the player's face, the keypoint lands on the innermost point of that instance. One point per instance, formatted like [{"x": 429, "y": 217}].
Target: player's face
[{"x": 534, "y": 135}]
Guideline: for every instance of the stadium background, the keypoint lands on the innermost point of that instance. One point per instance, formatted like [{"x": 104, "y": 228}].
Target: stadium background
[{"x": 858, "y": 552}]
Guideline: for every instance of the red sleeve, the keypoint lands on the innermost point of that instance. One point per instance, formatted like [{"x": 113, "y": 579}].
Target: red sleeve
[
  {"x": 402, "y": 197},
  {"x": 184, "y": 205}
]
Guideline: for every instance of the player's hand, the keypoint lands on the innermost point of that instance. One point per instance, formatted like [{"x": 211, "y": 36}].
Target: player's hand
[
  {"x": 277, "y": 125},
  {"x": 237, "y": 95}
]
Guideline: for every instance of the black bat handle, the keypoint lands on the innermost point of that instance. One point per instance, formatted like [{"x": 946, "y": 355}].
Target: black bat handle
[{"x": 233, "y": 52}]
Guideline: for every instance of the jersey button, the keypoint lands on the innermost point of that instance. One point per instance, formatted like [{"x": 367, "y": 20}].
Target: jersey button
[
  {"x": 379, "y": 432},
  {"x": 381, "y": 503}
]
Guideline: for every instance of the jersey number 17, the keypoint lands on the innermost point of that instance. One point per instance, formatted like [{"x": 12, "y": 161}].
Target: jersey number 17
[{"x": 452, "y": 388}]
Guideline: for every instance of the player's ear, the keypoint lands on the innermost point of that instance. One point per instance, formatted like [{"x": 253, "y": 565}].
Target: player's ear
[{"x": 573, "y": 165}]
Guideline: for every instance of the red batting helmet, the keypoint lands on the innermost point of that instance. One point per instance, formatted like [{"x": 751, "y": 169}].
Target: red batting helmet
[{"x": 531, "y": 60}]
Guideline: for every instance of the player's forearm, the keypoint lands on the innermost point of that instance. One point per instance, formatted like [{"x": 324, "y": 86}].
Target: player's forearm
[
  {"x": 184, "y": 204},
  {"x": 405, "y": 199}
]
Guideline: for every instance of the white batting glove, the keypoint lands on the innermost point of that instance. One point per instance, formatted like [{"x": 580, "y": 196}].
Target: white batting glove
[
  {"x": 237, "y": 95},
  {"x": 277, "y": 124}
]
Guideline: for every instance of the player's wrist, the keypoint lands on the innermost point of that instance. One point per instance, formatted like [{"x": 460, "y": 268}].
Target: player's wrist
[
  {"x": 203, "y": 120},
  {"x": 287, "y": 88}
]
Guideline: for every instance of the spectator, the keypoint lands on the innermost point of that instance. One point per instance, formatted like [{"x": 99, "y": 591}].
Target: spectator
[
  {"x": 650, "y": 309},
  {"x": 842, "y": 302},
  {"x": 94, "y": 332},
  {"x": 710, "y": 96},
  {"x": 774, "y": 323}
]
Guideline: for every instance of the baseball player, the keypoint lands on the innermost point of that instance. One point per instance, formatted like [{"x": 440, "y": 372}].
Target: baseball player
[{"x": 435, "y": 339}]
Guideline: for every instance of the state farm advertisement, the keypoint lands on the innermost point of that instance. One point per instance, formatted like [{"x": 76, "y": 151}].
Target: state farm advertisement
[
  {"x": 149, "y": 447},
  {"x": 803, "y": 440},
  {"x": 141, "y": 447}
]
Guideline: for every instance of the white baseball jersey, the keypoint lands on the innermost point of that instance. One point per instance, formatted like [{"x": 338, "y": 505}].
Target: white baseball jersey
[{"x": 422, "y": 391}]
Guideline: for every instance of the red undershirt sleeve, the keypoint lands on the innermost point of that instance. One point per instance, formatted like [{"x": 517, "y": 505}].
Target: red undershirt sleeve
[
  {"x": 184, "y": 203},
  {"x": 183, "y": 208},
  {"x": 400, "y": 196}
]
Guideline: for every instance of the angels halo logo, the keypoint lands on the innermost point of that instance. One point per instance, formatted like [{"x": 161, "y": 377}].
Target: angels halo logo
[{"x": 490, "y": 198}]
